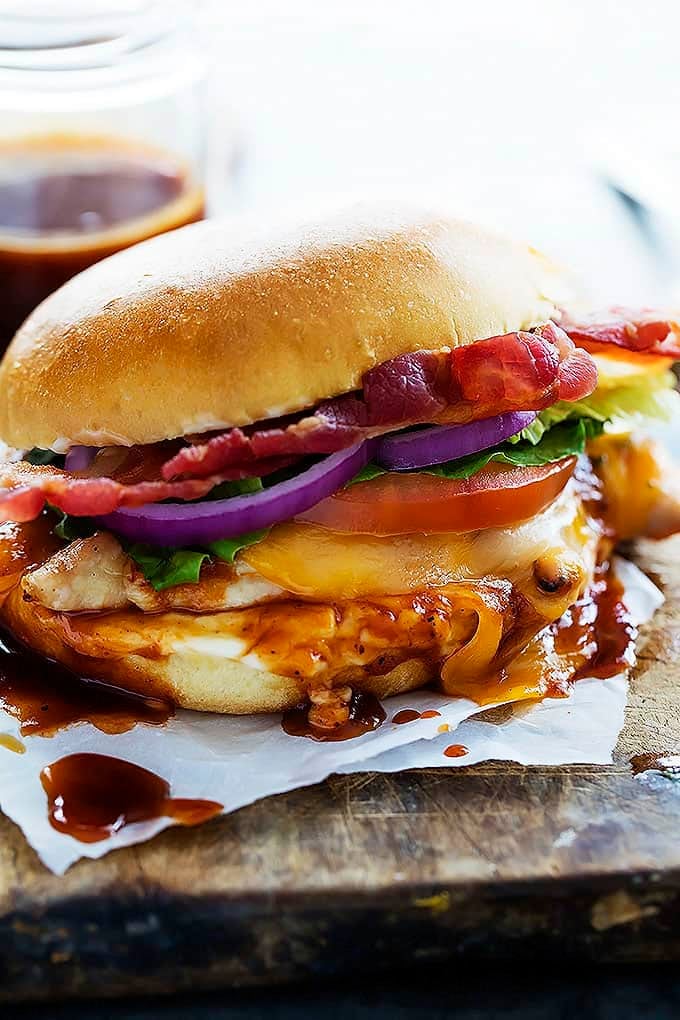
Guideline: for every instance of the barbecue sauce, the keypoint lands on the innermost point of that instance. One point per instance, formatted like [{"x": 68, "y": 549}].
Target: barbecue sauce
[
  {"x": 67, "y": 201},
  {"x": 595, "y": 637},
  {"x": 46, "y": 697},
  {"x": 365, "y": 714},
  {"x": 455, "y": 751},
  {"x": 408, "y": 715},
  {"x": 598, "y": 629},
  {"x": 93, "y": 796}
]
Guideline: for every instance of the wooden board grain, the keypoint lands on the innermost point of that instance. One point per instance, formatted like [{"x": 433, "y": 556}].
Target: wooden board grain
[{"x": 377, "y": 870}]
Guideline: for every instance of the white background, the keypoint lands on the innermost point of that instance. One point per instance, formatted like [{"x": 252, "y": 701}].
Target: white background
[{"x": 511, "y": 111}]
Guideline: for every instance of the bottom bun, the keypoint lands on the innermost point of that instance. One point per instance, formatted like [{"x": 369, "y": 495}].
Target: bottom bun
[{"x": 195, "y": 678}]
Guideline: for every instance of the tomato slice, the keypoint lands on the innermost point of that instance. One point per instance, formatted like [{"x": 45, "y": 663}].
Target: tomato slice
[{"x": 399, "y": 504}]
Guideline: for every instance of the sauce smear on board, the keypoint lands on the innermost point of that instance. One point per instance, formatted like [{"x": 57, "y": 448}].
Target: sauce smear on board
[{"x": 93, "y": 796}]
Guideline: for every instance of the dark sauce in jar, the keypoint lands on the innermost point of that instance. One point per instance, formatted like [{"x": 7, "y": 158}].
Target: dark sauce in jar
[
  {"x": 68, "y": 201},
  {"x": 93, "y": 796},
  {"x": 46, "y": 697},
  {"x": 365, "y": 715}
]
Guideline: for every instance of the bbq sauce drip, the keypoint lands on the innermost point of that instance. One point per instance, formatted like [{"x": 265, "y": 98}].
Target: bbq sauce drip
[
  {"x": 46, "y": 697},
  {"x": 365, "y": 715},
  {"x": 595, "y": 637},
  {"x": 598, "y": 629},
  {"x": 93, "y": 796},
  {"x": 68, "y": 201}
]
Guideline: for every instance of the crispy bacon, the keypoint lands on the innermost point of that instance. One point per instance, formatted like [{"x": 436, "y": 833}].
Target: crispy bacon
[
  {"x": 517, "y": 371},
  {"x": 25, "y": 489},
  {"x": 639, "y": 330}
]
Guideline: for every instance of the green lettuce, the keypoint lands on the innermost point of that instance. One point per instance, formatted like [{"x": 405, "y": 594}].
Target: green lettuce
[
  {"x": 165, "y": 568},
  {"x": 39, "y": 457},
  {"x": 227, "y": 548},
  {"x": 565, "y": 440},
  {"x": 623, "y": 406}
]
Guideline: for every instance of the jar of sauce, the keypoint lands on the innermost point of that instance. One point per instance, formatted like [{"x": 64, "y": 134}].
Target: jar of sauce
[{"x": 102, "y": 138}]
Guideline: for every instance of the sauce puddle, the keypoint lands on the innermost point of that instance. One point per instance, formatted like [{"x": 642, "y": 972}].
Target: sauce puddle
[
  {"x": 455, "y": 751},
  {"x": 92, "y": 796},
  {"x": 365, "y": 715},
  {"x": 46, "y": 697},
  {"x": 411, "y": 714}
]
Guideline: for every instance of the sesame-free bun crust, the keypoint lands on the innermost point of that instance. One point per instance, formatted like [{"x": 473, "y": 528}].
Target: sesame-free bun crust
[
  {"x": 215, "y": 325},
  {"x": 197, "y": 678}
]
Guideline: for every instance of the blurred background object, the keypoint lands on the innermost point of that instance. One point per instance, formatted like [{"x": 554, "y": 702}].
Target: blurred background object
[
  {"x": 102, "y": 136},
  {"x": 517, "y": 114},
  {"x": 552, "y": 121}
]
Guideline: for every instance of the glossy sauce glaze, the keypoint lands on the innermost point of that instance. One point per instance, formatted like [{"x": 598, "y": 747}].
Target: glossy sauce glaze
[
  {"x": 365, "y": 714},
  {"x": 46, "y": 697},
  {"x": 598, "y": 629},
  {"x": 92, "y": 796},
  {"x": 595, "y": 637}
]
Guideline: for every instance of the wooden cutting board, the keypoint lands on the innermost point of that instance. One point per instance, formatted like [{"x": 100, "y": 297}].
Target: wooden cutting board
[{"x": 374, "y": 870}]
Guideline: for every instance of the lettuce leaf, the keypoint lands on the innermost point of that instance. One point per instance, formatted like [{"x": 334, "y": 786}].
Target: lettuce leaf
[
  {"x": 239, "y": 487},
  {"x": 39, "y": 457},
  {"x": 565, "y": 440},
  {"x": 70, "y": 528},
  {"x": 227, "y": 548},
  {"x": 165, "y": 568},
  {"x": 622, "y": 406}
]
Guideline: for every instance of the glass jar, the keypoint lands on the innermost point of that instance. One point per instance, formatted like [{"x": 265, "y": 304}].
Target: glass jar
[{"x": 102, "y": 137}]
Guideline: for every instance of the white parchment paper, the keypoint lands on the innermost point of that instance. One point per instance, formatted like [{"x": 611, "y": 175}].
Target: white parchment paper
[{"x": 236, "y": 760}]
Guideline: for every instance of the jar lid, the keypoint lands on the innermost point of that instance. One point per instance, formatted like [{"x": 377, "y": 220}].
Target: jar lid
[{"x": 95, "y": 44}]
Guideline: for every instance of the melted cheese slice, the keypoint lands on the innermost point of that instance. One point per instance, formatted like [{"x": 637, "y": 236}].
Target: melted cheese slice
[
  {"x": 313, "y": 562},
  {"x": 625, "y": 368}
]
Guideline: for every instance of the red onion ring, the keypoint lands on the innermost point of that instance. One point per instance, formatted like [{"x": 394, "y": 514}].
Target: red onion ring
[
  {"x": 180, "y": 524},
  {"x": 79, "y": 458},
  {"x": 448, "y": 442}
]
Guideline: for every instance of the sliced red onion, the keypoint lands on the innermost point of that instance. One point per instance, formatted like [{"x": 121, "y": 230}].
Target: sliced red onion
[
  {"x": 79, "y": 458},
  {"x": 448, "y": 442},
  {"x": 178, "y": 524}
]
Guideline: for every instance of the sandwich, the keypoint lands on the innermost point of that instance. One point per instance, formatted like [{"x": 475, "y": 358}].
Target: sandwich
[{"x": 246, "y": 473}]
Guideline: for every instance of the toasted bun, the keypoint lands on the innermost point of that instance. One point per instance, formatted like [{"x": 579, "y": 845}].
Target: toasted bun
[
  {"x": 196, "y": 679},
  {"x": 207, "y": 327}
]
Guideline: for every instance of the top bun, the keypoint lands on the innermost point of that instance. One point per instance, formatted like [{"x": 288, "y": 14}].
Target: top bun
[{"x": 209, "y": 326}]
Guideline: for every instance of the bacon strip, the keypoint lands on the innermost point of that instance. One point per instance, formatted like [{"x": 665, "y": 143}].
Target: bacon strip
[
  {"x": 639, "y": 330},
  {"x": 25, "y": 489},
  {"x": 515, "y": 372},
  {"x": 518, "y": 371}
]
